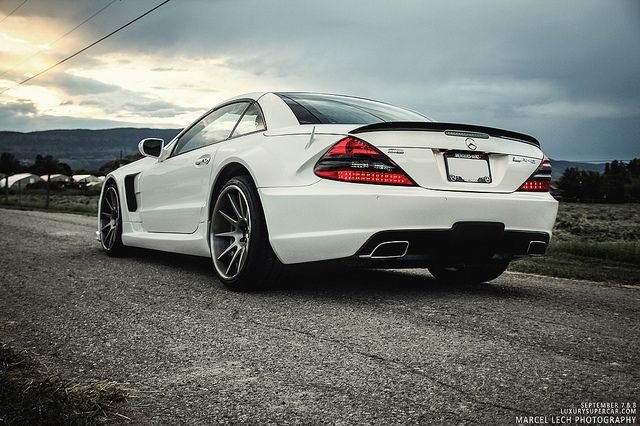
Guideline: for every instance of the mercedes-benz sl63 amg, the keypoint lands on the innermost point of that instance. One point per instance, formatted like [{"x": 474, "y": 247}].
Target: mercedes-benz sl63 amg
[{"x": 266, "y": 180}]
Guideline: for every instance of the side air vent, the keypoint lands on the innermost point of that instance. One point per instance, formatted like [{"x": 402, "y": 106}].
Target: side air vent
[{"x": 130, "y": 192}]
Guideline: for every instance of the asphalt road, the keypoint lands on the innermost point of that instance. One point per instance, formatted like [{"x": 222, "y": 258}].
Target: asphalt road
[{"x": 359, "y": 347}]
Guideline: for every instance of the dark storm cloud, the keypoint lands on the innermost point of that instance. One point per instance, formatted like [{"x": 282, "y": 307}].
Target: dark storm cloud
[
  {"x": 20, "y": 115},
  {"x": 74, "y": 85},
  {"x": 19, "y": 108},
  {"x": 565, "y": 71},
  {"x": 15, "y": 114},
  {"x": 571, "y": 45}
]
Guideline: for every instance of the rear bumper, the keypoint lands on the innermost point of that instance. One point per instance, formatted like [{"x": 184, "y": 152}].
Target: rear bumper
[
  {"x": 334, "y": 220},
  {"x": 465, "y": 243}
]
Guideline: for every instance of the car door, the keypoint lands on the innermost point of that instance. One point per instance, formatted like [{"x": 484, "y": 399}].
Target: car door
[{"x": 173, "y": 192}]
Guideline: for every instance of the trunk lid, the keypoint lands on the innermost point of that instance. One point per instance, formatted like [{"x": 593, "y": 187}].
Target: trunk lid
[{"x": 456, "y": 157}]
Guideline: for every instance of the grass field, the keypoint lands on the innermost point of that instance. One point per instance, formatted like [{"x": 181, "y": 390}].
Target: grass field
[
  {"x": 599, "y": 242},
  {"x": 83, "y": 202}
]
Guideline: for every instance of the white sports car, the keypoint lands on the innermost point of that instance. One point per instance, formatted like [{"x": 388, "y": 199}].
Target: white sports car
[{"x": 269, "y": 179}]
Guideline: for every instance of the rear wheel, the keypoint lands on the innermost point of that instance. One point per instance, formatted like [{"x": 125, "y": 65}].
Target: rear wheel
[
  {"x": 240, "y": 249},
  {"x": 111, "y": 221},
  {"x": 468, "y": 274}
]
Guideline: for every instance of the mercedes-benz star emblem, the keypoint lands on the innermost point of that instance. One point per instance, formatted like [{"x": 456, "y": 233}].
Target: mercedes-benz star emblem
[{"x": 471, "y": 144}]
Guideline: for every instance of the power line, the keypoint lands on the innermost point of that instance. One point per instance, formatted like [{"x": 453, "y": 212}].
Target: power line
[
  {"x": 13, "y": 11},
  {"x": 60, "y": 38},
  {"x": 85, "y": 48}
]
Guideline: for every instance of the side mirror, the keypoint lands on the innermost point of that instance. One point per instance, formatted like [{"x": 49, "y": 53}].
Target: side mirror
[{"x": 151, "y": 147}]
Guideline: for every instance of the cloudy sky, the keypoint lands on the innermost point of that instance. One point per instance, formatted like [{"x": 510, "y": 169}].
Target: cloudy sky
[{"x": 567, "y": 72}]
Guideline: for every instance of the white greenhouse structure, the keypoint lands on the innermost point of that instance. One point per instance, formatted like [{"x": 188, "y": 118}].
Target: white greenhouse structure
[
  {"x": 56, "y": 178},
  {"x": 20, "y": 181},
  {"x": 84, "y": 178}
]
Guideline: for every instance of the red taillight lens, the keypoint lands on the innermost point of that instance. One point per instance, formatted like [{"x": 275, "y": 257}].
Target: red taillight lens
[
  {"x": 540, "y": 180},
  {"x": 354, "y": 160},
  {"x": 353, "y": 147},
  {"x": 545, "y": 166},
  {"x": 536, "y": 185},
  {"x": 366, "y": 177}
]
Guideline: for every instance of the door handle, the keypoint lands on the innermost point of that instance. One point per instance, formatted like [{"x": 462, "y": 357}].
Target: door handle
[{"x": 204, "y": 160}]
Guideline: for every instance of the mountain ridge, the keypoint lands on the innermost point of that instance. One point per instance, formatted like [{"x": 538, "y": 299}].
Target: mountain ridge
[{"x": 80, "y": 148}]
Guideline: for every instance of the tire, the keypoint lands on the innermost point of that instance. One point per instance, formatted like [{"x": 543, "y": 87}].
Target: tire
[
  {"x": 238, "y": 239},
  {"x": 110, "y": 221},
  {"x": 468, "y": 274}
]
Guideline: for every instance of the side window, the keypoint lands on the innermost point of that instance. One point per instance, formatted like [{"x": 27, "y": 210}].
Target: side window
[
  {"x": 251, "y": 121},
  {"x": 213, "y": 128}
]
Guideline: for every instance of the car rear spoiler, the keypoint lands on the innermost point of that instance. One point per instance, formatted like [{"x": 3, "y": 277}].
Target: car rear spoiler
[{"x": 451, "y": 129}]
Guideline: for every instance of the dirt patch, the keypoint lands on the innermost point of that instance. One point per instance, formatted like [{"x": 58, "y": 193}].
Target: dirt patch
[{"x": 33, "y": 393}]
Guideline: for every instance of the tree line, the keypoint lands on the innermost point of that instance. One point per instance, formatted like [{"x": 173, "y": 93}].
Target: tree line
[{"x": 619, "y": 183}]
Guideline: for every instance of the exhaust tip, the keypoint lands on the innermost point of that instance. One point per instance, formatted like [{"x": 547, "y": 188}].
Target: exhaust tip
[
  {"x": 537, "y": 248},
  {"x": 389, "y": 250}
]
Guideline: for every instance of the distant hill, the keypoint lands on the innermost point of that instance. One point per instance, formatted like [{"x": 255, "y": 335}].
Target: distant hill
[
  {"x": 80, "y": 148},
  {"x": 558, "y": 167},
  {"x": 89, "y": 149}
]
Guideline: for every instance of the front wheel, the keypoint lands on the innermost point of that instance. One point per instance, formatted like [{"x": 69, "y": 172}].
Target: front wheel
[
  {"x": 110, "y": 221},
  {"x": 468, "y": 274},
  {"x": 240, "y": 249}
]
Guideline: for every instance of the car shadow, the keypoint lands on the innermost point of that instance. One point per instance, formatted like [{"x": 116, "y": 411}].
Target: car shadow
[
  {"x": 324, "y": 279},
  {"x": 195, "y": 264},
  {"x": 382, "y": 281}
]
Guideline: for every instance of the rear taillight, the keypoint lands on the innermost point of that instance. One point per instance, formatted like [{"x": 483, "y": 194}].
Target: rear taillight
[
  {"x": 540, "y": 180},
  {"x": 354, "y": 160}
]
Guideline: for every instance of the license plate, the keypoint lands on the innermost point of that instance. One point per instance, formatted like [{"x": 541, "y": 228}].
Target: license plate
[{"x": 467, "y": 167}]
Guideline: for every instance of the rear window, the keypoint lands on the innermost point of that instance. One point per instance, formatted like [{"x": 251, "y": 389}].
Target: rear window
[{"x": 312, "y": 108}]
